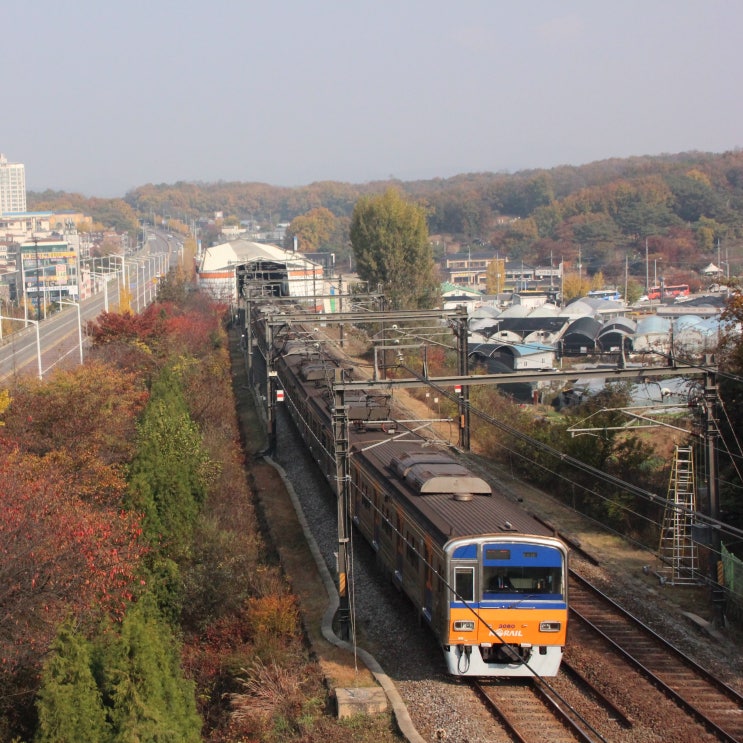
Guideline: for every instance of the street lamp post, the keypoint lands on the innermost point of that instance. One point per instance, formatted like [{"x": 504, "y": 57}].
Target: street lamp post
[
  {"x": 38, "y": 337},
  {"x": 137, "y": 291},
  {"x": 38, "y": 278},
  {"x": 123, "y": 274},
  {"x": 76, "y": 305},
  {"x": 145, "y": 265},
  {"x": 103, "y": 276}
]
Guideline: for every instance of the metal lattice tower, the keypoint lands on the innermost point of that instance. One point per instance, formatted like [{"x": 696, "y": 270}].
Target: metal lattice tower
[{"x": 678, "y": 552}]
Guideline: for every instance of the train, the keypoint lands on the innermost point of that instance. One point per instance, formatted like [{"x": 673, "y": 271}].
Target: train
[{"x": 488, "y": 578}]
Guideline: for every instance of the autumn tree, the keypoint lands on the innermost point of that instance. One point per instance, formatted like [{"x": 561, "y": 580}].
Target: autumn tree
[
  {"x": 390, "y": 242},
  {"x": 515, "y": 238},
  {"x": 496, "y": 276},
  {"x": 575, "y": 285},
  {"x": 89, "y": 412},
  {"x": 110, "y": 245},
  {"x": 61, "y": 556},
  {"x": 174, "y": 286},
  {"x": 58, "y": 552},
  {"x": 312, "y": 230}
]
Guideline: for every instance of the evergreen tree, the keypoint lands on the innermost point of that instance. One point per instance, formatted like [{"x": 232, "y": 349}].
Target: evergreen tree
[
  {"x": 168, "y": 474},
  {"x": 69, "y": 704},
  {"x": 390, "y": 242},
  {"x": 150, "y": 699}
]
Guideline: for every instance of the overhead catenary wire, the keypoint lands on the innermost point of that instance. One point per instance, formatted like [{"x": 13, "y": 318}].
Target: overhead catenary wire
[
  {"x": 577, "y": 463},
  {"x": 588, "y": 469}
]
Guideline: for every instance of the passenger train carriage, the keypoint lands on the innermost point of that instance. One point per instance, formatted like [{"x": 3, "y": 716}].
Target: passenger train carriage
[{"x": 489, "y": 580}]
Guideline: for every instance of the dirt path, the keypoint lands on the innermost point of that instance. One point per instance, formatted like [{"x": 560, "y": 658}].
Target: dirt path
[{"x": 279, "y": 519}]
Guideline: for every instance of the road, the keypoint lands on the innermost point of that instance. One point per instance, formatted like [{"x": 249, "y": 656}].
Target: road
[{"x": 61, "y": 339}]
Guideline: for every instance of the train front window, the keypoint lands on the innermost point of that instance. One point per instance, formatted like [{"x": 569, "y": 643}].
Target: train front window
[
  {"x": 464, "y": 584},
  {"x": 498, "y": 580},
  {"x": 522, "y": 569}
]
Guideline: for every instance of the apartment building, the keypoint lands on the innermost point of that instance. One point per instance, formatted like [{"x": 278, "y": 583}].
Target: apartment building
[{"x": 12, "y": 186}]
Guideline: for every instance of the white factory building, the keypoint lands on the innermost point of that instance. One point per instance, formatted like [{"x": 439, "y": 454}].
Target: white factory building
[{"x": 242, "y": 265}]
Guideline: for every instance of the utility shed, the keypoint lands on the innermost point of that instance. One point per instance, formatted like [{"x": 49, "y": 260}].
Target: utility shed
[
  {"x": 694, "y": 335},
  {"x": 653, "y": 335},
  {"x": 497, "y": 357},
  {"x": 617, "y": 334},
  {"x": 580, "y": 337}
]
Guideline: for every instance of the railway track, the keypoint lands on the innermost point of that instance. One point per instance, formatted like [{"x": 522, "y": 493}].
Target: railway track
[
  {"x": 700, "y": 703},
  {"x": 700, "y": 695},
  {"x": 532, "y": 712}
]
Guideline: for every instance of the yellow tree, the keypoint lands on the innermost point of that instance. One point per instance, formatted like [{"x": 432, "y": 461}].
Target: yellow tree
[
  {"x": 496, "y": 276},
  {"x": 597, "y": 282},
  {"x": 575, "y": 285},
  {"x": 313, "y": 229}
]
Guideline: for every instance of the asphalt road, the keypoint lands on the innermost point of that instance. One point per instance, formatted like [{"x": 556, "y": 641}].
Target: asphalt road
[{"x": 59, "y": 339}]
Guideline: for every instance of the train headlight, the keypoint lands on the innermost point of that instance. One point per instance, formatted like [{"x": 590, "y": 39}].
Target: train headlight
[
  {"x": 464, "y": 626},
  {"x": 550, "y": 626}
]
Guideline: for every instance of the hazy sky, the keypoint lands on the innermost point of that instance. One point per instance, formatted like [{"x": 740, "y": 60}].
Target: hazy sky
[{"x": 101, "y": 97}]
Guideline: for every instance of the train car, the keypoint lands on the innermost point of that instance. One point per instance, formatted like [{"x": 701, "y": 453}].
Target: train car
[{"x": 489, "y": 580}]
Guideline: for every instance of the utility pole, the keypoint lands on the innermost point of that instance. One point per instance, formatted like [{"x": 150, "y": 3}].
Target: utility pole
[
  {"x": 711, "y": 436},
  {"x": 271, "y": 377},
  {"x": 340, "y": 307},
  {"x": 248, "y": 336},
  {"x": 463, "y": 371},
  {"x": 647, "y": 269},
  {"x": 626, "y": 279},
  {"x": 341, "y": 447}
]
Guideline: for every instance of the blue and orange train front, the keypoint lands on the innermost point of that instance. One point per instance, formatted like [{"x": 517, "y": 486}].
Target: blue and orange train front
[{"x": 507, "y": 609}]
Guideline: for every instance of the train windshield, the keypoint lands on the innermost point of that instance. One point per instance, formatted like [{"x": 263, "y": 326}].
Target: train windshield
[
  {"x": 543, "y": 580},
  {"x": 521, "y": 569}
]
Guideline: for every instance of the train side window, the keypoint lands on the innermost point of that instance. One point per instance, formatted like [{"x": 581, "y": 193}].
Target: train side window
[
  {"x": 386, "y": 525},
  {"x": 464, "y": 584},
  {"x": 410, "y": 550}
]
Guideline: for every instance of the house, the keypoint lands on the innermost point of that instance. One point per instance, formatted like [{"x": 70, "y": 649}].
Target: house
[{"x": 455, "y": 295}]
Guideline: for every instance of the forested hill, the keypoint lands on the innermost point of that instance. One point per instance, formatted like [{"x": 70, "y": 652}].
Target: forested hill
[{"x": 684, "y": 204}]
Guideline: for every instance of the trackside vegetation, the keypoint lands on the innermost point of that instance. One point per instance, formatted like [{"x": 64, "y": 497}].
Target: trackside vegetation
[{"x": 139, "y": 600}]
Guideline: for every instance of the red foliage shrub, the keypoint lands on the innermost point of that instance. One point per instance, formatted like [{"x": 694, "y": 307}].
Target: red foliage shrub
[{"x": 58, "y": 555}]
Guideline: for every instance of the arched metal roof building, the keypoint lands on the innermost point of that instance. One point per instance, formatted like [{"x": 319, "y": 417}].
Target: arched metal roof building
[{"x": 225, "y": 269}]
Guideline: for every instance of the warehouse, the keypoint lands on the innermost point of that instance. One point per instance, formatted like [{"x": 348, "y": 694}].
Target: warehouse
[{"x": 224, "y": 270}]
